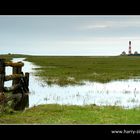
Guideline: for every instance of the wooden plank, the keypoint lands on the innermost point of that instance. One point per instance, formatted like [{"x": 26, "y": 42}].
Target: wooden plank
[
  {"x": 15, "y": 77},
  {"x": 18, "y": 64}
]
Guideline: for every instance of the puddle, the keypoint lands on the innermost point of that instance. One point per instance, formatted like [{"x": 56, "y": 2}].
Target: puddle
[{"x": 125, "y": 93}]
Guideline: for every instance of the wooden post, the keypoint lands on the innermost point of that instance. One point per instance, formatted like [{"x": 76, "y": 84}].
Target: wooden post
[
  {"x": 2, "y": 74},
  {"x": 16, "y": 70},
  {"x": 27, "y": 80},
  {"x": 23, "y": 89}
]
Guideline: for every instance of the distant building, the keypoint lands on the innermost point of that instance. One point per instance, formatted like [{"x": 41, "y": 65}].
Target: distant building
[
  {"x": 123, "y": 53},
  {"x": 136, "y": 52},
  {"x": 130, "y": 51}
]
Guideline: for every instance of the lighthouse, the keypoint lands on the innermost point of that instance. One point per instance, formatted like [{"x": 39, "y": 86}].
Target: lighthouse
[{"x": 129, "y": 51}]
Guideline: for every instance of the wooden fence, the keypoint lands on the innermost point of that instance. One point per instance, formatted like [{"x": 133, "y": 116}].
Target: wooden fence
[{"x": 20, "y": 83}]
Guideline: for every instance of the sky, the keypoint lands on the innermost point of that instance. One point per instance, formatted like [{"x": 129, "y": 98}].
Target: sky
[{"x": 69, "y": 34}]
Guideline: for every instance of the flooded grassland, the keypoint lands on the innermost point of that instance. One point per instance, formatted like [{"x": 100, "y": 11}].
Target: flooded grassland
[
  {"x": 124, "y": 93},
  {"x": 105, "y": 88}
]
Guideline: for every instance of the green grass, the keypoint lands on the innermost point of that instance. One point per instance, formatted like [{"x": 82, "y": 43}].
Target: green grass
[
  {"x": 62, "y": 114},
  {"x": 72, "y": 70}
]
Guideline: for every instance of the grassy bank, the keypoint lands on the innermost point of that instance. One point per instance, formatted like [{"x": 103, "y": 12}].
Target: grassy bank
[
  {"x": 72, "y": 70},
  {"x": 57, "y": 114}
]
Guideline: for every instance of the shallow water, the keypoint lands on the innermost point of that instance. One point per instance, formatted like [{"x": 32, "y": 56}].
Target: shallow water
[{"x": 125, "y": 93}]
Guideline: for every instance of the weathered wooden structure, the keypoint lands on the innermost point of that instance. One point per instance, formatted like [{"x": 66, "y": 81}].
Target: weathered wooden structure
[{"x": 20, "y": 83}]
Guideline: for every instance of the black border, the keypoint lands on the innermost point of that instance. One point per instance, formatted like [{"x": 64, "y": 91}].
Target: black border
[
  {"x": 99, "y": 7},
  {"x": 67, "y": 131}
]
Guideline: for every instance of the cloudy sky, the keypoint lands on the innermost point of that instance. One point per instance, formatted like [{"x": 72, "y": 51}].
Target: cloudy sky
[{"x": 69, "y": 35}]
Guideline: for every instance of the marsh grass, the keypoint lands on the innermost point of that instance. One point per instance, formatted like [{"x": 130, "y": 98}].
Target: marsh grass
[{"x": 58, "y": 69}]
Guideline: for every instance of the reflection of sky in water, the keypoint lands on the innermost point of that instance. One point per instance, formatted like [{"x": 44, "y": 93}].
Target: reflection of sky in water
[{"x": 124, "y": 93}]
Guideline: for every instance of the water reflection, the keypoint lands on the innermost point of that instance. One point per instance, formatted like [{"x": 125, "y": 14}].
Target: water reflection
[{"x": 125, "y": 93}]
